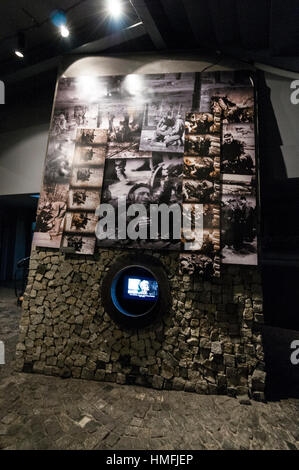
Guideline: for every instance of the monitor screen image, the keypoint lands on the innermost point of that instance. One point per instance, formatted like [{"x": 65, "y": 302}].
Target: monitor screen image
[{"x": 141, "y": 288}]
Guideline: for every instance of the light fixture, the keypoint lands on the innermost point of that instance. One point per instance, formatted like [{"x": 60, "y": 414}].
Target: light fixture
[
  {"x": 115, "y": 8},
  {"x": 58, "y": 18},
  {"x": 20, "y": 45},
  {"x": 19, "y": 53},
  {"x": 64, "y": 31}
]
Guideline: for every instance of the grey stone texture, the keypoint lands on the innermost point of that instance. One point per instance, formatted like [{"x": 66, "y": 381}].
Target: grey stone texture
[{"x": 209, "y": 343}]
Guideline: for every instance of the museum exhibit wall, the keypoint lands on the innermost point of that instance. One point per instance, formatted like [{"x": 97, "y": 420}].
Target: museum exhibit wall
[
  {"x": 210, "y": 339},
  {"x": 23, "y": 139}
]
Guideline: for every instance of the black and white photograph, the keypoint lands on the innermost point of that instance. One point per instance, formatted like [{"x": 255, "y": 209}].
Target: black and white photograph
[
  {"x": 126, "y": 150},
  {"x": 171, "y": 97},
  {"x": 50, "y": 216},
  {"x": 238, "y": 149},
  {"x": 238, "y": 184},
  {"x": 202, "y": 123},
  {"x": 82, "y": 245},
  {"x": 87, "y": 176},
  {"x": 234, "y": 105},
  {"x": 202, "y": 168},
  {"x": 169, "y": 83},
  {"x": 163, "y": 127},
  {"x": 144, "y": 180},
  {"x": 83, "y": 199},
  {"x": 94, "y": 155},
  {"x": 205, "y": 215},
  {"x": 58, "y": 163},
  {"x": 91, "y": 136},
  {"x": 200, "y": 191},
  {"x": 68, "y": 118},
  {"x": 122, "y": 120},
  {"x": 202, "y": 145},
  {"x": 227, "y": 78},
  {"x": 87, "y": 88},
  {"x": 211, "y": 216},
  {"x": 239, "y": 222},
  {"x": 197, "y": 264},
  {"x": 80, "y": 222}
]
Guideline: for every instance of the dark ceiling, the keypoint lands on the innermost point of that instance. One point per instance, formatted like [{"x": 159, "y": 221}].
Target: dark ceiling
[{"x": 264, "y": 31}]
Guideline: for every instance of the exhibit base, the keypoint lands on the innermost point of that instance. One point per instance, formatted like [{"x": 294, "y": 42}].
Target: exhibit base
[{"x": 209, "y": 341}]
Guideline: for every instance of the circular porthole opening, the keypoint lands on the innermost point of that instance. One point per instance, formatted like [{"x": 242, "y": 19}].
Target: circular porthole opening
[{"x": 134, "y": 293}]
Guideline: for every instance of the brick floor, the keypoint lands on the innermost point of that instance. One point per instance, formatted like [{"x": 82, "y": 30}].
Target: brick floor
[{"x": 40, "y": 412}]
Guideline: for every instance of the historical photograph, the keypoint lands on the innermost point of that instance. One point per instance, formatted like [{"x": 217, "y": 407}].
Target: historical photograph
[
  {"x": 238, "y": 149},
  {"x": 83, "y": 199},
  {"x": 126, "y": 150},
  {"x": 82, "y": 245},
  {"x": 144, "y": 180},
  {"x": 202, "y": 123},
  {"x": 58, "y": 163},
  {"x": 238, "y": 223},
  {"x": 94, "y": 155},
  {"x": 68, "y": 117},
  {"x": 235, "y": 104},
  {"x": 226, "y": 78},
  {"x": 122, "y": 120},
  {"x": 202, "y": 168},
  {"x": 80, "y": 222},
  {"x": 87, "y": 176},
  {"x": 169, "y": 83},
  {"x": 50, "y": 216},
  {"x": 238, "y": 184},
  {"x": 202, "y": 145},
  {"x": 198, "y": 263},
  {"x": 200, "y": 191},
  {"x": 170, "y": 99},
  {"x": 91, "y": 136},
  {"x": 163, "y": 131}
]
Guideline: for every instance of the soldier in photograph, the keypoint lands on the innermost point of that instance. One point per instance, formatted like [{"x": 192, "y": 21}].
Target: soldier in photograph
[
  {"x": 234, "y": 159},
  {"x": 79, "y": 197},
  {"x": 83, "y": 174}
]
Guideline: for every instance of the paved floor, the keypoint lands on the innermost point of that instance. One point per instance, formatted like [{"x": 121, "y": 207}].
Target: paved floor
[{"x": 39, "y": 412}]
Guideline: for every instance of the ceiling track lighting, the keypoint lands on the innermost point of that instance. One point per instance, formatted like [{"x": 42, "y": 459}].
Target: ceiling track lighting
[{"x": 58, "y": 18}]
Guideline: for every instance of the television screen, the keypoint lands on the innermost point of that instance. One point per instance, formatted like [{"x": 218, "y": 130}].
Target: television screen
[{"x": 140, "y": 288}]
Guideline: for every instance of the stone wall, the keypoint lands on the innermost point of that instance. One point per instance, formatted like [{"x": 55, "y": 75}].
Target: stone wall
[{"x": 210, "y": 341}]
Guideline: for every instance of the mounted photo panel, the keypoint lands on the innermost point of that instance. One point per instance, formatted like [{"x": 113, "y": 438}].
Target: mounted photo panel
[{"x": 126, "y": 150}]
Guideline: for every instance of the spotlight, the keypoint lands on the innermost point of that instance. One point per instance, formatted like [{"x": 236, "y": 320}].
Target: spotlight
[
  {"x": 64, "y": 31},
  {"x": 19, "y": 54},
  {"x": 114, "y": 7},
  {"x": 58, "y": 18},
  {"x": 20, "y": 45}
]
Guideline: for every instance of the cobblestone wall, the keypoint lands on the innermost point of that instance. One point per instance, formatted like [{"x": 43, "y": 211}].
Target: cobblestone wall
[{"x": 210, "y": 341}]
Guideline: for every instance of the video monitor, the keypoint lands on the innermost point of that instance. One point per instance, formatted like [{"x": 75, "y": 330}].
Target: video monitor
[{"x": 140, "y": 288}]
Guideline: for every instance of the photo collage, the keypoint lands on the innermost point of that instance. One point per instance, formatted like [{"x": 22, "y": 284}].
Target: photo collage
[
  {"x": 231, "y": 95},
  {"x": 144, "y": 164},
  {"x": 72, "y": 111},
  {"x": 201, "y": 186},
  {"x": 149, "y": 139},
  {"x": 85, "y": 191}
]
